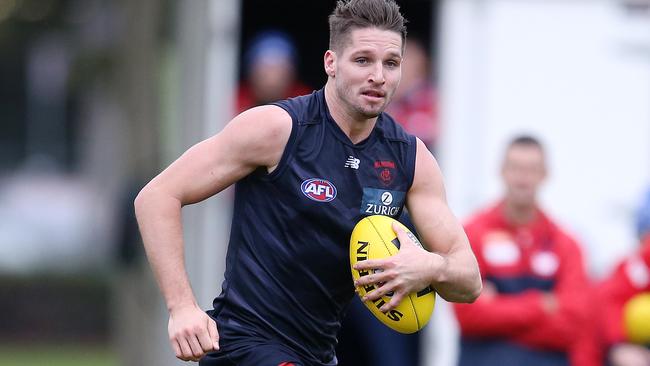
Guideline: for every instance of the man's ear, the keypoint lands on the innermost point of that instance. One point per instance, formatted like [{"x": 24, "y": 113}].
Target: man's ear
[{"x": 329, "y": 61}]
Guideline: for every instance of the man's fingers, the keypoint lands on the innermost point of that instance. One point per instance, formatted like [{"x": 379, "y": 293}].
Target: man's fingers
[
  {"x": 192, "y": 333},
  {"x": 394, "y": 301},
  {"x": 207, "y": 337},
  {"x": 177, "y": 348},
  {"x": 205, "y": 342},
  {"x": 370, "y": 264},
  {"x": 377, "y": 293},
  {"x": 397, "y": 229},
  {"x": 186, "y": 350},
  {"x": 197, "y": 350},
  {"x": 373, "y": 278},
  {"x": 402, "y": 235},
  {"x": 400, "y": 232},
  {"x": 213, "y": 333}
]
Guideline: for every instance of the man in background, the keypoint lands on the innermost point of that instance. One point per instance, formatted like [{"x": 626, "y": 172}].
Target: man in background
[
  {"x": 630, "y": 278},
  {"x": 532, "y": 309},
  {"x": 270, "y": 71}
]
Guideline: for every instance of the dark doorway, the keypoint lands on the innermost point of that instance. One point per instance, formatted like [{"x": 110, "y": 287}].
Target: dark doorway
[{"x": 306, "y": 23}]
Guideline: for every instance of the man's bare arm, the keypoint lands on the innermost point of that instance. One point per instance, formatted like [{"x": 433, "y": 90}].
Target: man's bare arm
[
  {"x": 253, "y": 139},
  {"x": 456, "y": 275}
]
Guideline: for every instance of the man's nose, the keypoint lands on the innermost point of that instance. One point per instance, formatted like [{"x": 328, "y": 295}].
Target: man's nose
[{"x": 377, "y": 75}]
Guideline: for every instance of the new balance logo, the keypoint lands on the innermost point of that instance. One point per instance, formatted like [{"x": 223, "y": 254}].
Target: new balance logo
[{"x": 352, "y": 162}]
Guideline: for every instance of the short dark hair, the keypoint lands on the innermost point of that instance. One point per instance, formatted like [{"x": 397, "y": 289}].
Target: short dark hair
[
  {"x": 526, "y": 140},
  {"x": 351, "y": 14}
]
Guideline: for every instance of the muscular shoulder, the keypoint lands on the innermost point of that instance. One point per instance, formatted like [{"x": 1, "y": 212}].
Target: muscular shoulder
[
  {"x": 262, "y": 133},
  {"x": 427, "y": 172}
]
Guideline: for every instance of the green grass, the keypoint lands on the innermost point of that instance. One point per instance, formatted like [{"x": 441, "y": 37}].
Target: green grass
[{"x": 56, "y": 355}]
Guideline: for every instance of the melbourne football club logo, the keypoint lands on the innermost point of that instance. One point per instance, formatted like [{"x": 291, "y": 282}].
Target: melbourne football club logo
[
  {"x": 319, "y": 190},
  {"x": 385, "y": 171}
]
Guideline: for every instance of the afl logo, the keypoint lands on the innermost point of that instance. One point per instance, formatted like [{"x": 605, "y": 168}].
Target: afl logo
[{"x": 319, "y": 190}]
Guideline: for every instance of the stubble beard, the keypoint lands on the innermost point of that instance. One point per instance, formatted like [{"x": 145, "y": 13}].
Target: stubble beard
[
  {"x": 350, "y": 98},
  {"x": 366, "y": 112}
]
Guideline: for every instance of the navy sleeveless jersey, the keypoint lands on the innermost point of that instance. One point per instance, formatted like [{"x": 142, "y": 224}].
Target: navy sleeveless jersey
[{"x": 288, "y": 279}]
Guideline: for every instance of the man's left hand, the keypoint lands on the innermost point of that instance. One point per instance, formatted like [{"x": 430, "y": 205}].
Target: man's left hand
[{"x": 410, "y": 270}]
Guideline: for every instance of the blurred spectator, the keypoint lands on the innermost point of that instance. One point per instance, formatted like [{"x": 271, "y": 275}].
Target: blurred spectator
[
  {"x": 534, "y": 306},
  {"x": 414, "y": 104},
  {"x": 270, "y": 71},
  {"x": 630, "y": 278}
]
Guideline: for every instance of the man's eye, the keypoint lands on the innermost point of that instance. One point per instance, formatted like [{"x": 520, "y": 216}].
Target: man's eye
[
  {"x": 361, "y": 61},
  {"x": 392, "y": 63}
]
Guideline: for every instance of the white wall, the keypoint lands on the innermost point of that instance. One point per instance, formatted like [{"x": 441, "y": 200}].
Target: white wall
[{"x": 576, "y": 73}]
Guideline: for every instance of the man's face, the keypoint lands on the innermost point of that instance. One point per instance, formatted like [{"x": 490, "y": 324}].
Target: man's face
[
  {"x": 367, "y": 70},
  {"x": 523, "y": 171},
  {"x": 271, "y": 79}
]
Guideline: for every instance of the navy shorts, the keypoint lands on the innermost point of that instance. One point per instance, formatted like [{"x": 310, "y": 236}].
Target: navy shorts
[{"x": 252, "y": 355}]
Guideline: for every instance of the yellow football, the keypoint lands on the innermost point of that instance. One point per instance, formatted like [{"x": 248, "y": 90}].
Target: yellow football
[
  {"x": 636, "y": 318},
  {"x": 373, "y": 238}
]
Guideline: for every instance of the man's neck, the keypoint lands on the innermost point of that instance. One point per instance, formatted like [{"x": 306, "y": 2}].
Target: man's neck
[
  {"x": 356, "y": 128},
  {"x": 520, "y": 214}
]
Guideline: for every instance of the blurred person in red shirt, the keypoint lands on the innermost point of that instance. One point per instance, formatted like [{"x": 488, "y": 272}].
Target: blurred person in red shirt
[
  {"x": 414, "y": 105},
  {"x": 270, "y": 71},
  {"x": 630, "y": 278},
  {"x": 534, "y": 307}
]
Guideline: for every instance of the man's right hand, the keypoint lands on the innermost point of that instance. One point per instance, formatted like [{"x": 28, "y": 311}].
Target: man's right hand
[{"x": 192, "y": 333}]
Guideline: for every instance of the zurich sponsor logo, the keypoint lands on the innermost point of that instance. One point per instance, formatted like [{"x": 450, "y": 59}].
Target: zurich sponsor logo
[
  {"x": 382, "y": 202},
  {"x": 386, "y": 198},
  {"x": 318, "y": 189}
]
